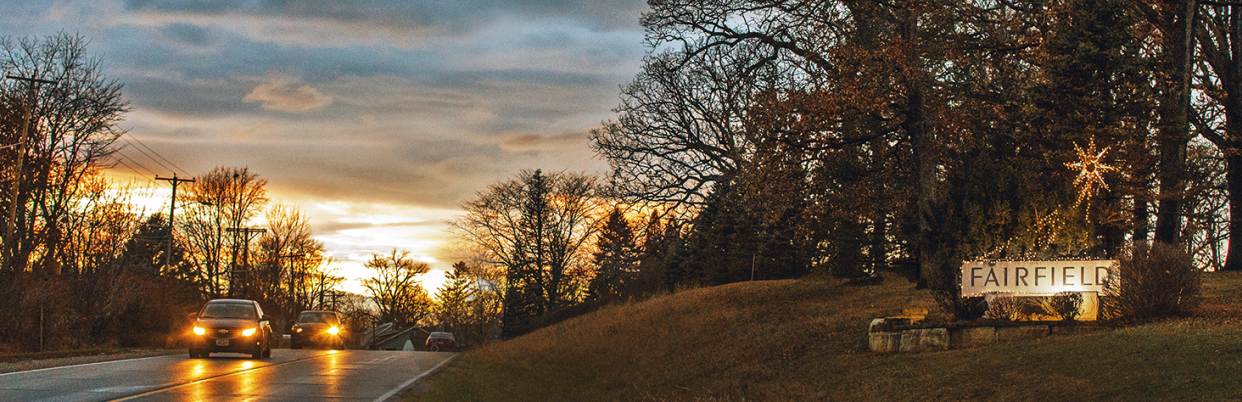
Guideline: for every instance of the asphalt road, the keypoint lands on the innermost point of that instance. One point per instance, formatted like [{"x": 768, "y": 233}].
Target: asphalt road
[{"x": 302, "y": 375}]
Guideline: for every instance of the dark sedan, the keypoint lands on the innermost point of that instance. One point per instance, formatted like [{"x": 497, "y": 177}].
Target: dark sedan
[
  {"x": 231, "y": 326},
  {"x": 320, "y": 328},
  {"x": 441, "y": 342}
]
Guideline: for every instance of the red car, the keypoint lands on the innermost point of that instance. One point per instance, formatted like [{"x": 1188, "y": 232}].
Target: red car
[{"x": 441, "y": 341}]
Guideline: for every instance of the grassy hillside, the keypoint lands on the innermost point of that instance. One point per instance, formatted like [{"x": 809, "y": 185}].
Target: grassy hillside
[{"x": 805, "y": 339}]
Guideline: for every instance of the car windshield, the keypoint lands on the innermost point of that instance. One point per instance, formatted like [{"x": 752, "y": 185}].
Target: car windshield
[
  {"x": 229, "y": 310},
  {"x": 317, "y": 317}
]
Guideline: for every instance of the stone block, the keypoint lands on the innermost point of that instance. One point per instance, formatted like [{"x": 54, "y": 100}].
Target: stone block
[
  {"x": 888, "y": 324},
  {"x": 884, "y": 341},
  {"x": 1021, "y": 332},
  {"x": 966, "y": 337},
  {"x": 924, "y": 339},
  {"x": 1071, "y": 329}
]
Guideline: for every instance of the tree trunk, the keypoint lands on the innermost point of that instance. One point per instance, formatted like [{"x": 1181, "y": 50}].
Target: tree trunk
[
  {"x": 1174, "y": 131},
  {"x": 879, "y": 231},
  {"x": 1142, "y": 218},
  {"x": 1233, "y": 174},
  {"x": 930, "y": 251}
]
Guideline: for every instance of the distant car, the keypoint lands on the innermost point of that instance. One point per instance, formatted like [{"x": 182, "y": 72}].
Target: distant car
[
  {"x": 441, "y": 341},
  {"x": 233, "y": 326},
  {"x": 320, "y": 328}
]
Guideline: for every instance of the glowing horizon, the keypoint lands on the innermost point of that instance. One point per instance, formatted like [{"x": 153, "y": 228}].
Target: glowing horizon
[{"x": 377, "y": 122}]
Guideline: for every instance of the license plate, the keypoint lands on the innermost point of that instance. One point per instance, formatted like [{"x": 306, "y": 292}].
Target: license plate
[{"x": 222, "y": 342}]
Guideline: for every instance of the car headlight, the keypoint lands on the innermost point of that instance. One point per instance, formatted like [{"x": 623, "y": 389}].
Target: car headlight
[
  {"x": 199, "y": 330},
  {"x": 333, "y": 330},
  {"x": 248, "y": 331},
  {"x": 297, "y": 329}
]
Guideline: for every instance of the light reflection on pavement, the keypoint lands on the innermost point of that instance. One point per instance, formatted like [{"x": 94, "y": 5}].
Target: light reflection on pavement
[{"x": 288, "y": 375}]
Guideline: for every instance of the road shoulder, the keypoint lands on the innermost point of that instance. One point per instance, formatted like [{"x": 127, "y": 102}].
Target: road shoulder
[{"x": 37, "y": 362}]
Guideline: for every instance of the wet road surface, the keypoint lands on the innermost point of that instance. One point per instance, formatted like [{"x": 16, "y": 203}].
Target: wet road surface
[{"x": 302, "y": 375}]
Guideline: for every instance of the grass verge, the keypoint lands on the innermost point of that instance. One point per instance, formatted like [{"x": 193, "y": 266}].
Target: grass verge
[{"x": 805, "y": 339}]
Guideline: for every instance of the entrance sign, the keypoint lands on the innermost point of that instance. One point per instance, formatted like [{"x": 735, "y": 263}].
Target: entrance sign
[{"x": 1036, "y": 278}]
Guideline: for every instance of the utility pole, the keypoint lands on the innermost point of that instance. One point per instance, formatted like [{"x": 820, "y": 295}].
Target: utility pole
[
  {"x": 752, "y": 266},
  {"x": 172, "y": 211},
  {"x": 10, "y": 226},
  {"x": 248, "y": 233},
  {"x": 236, "y": 214}
]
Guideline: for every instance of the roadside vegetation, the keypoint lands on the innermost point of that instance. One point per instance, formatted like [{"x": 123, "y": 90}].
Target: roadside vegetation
[{"x": 805, "y": 340}]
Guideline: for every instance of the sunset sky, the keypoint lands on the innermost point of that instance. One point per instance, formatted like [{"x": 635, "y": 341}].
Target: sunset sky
[{"x": 376, "y": 118}]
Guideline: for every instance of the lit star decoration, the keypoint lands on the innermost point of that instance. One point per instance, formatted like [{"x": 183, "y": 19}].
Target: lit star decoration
[{"x": 1091, "y": 170}]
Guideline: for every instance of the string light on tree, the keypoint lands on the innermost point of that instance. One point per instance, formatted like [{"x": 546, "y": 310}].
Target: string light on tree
[{"x": 1091, "y": 170}]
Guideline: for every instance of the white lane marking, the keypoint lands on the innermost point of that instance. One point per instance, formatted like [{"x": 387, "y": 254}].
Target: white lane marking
[
  {"x": 85, "y": 364},
  {"x": 403, "y": 385},
  {"x": 206, "y": 379},
  {"x": 129, "y": 388}
]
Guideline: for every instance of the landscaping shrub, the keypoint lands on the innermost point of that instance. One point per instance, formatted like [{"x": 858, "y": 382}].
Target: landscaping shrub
[
  {"x": 1005, "y": 308},
  {"x": 962, "y": 308},
  {"x": 1154, "y": 281},
  {"x": 1064, "y": 304}
]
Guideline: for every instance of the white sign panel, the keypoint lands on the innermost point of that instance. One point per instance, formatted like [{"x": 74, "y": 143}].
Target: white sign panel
[{"x": 1036, "y": 277}]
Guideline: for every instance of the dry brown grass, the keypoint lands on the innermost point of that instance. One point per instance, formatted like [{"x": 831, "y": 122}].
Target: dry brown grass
[{"x": 804, "y": 339}]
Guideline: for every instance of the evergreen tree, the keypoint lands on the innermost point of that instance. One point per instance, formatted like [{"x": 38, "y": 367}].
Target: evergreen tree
[
  {"x": 453, "y": 309},
  {"x": 615, "y": 261},
  {"x": 1093, "y": 93},
  {"x": 146, "y": 250}
]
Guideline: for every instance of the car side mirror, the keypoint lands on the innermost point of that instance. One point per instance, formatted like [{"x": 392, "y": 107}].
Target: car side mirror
[{"x": 266, "y": 317}]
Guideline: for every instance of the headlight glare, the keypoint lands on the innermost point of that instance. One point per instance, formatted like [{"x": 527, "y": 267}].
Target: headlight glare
[
  {"x": 333, "y": 330},
  {"x": 248, "y": 331},
  {"x": 199, "y": 330}
]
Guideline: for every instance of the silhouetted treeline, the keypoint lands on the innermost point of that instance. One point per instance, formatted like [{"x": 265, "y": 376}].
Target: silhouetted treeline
[{"x": 83, "y": 263}]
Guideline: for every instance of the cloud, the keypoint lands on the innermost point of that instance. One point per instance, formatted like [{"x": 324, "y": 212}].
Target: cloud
[
  {"x": 286, "y": 95},
  {"x": 186, "y": 34},
  {"x": 339, "y": 226},
  {"x": 387, "y": 20},
  {"x": 536, "y": 142}
]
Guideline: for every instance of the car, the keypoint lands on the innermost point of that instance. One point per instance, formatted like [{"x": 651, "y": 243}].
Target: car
[
  {"x": 317, "y": 328},
  {"x": 231, "y": 326},
  {"x": 441, "y": 341}
]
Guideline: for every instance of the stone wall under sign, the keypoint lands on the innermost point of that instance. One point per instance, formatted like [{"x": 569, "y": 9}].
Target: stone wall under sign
[{"x": 898, "y": 335}]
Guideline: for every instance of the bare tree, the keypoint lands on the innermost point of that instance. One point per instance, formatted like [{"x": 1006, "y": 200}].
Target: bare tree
[
  {"x": 289, "y": 267},
  {"x": 536, "y": 226},
  {"x": 394, "y": 288},
  {"x": 223, "y": 198},
  {"x": 71, "y": 126}
]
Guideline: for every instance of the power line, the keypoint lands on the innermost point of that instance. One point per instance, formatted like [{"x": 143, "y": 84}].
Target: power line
[
  {"x": 134, "y": 171},
  {"x": 161, "y": 156},
  {"x": 136, "y": 163},
  {"x": 149, "y": 157}
]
